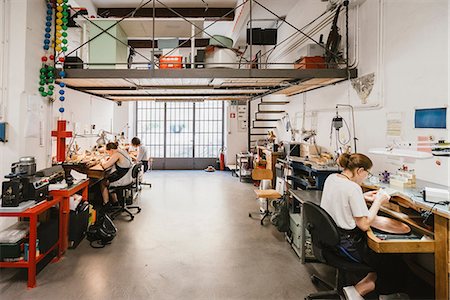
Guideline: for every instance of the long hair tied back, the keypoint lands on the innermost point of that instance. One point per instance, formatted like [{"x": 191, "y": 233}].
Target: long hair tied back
[{"x": 354, "y": 161}]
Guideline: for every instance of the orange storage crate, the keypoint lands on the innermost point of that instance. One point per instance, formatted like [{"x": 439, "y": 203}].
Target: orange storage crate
[
  {"x": 171, "y": 62},
  {"x": 311, "y": 62}
]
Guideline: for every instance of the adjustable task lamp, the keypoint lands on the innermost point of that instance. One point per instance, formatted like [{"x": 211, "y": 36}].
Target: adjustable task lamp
[{"x": 101, "y": 141}]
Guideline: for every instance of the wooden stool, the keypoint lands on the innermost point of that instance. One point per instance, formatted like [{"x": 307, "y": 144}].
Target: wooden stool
[{"x": 270, "y": 194}]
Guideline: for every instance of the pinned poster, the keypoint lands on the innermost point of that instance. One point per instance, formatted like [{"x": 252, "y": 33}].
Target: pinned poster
[
  {"x": 394, "y": 124},
  {"x": 33, "y": 118},
  {"x": 242, "y": 126}
]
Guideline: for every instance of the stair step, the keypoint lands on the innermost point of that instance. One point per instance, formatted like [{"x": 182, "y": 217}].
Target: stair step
[
  {"x": 263, "y": 131},
  {"x": 264, "y": 127},
  {"x": 268, "y": 120},
  {"x": 261, "y": 134},
  {"x": 271, "y": 111},
  {"x": 264, "y": 123},
  {"x": 270, "y": 107},
  {"x": 276, "y": 98},
  {"x": 274, "y": 102},
  {"x": 269, "y": 115}
]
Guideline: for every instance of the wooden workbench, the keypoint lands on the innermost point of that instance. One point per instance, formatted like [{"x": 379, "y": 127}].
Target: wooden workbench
[
  {"x": 405, "y": 206},
  {"x": 408, "y": 200}
]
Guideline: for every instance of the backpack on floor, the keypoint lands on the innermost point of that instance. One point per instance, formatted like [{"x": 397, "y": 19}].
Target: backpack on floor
[
  {"x": 280, "y": 218},
  {"x": 102, "y": 232}
]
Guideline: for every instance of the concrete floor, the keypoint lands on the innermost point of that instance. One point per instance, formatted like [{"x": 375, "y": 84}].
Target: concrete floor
[{"x": 192, "y": 240}]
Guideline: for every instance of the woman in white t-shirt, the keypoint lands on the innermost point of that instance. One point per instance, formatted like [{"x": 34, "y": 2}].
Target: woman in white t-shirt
[{"x": 345, "y": 202}]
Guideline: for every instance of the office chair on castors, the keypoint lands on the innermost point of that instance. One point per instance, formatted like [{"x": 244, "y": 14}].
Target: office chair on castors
[
  {"x": 140, "y": 182},
  {"x": 127, "y": 194},
  {"x": 325, "y": 238},
  {"x": 267, "y": 194}
]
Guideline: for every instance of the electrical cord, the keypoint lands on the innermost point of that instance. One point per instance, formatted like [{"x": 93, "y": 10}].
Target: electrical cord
[
  {"x": 426, "y": 214},
  {"x": 348, "y": 131}
]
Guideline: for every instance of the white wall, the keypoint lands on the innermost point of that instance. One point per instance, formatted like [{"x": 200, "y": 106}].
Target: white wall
[
  {"x": 25, "y": 27},
  {"x": 24, "y": 109},
  {"x": 121, "y": 119},
  {"x": 410, "y": 63},
  {"x": 82, "y": 112},
  {"x": 30, "y": 117},
  {"x": 235, "y": 139}
]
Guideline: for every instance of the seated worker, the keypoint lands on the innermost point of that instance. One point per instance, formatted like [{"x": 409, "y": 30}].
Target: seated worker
[
  {"x": 344, "y": 201},
  {"x": 142, "y": 155},
  {"x": 123, "y": 164}
]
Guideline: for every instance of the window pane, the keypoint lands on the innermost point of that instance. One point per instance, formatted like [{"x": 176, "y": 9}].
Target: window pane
[
  {"x": 179, "y": 128},
  {"x": 150, "y": 120},
  {"x": 208, "y": 128}
]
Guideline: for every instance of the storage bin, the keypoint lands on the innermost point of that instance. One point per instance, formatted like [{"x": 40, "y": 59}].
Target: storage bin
[
  {"x": 171, "y": 62},
  {"x": 10, "y": 250},
  {"x": 11, "y": 240},
  {"x": 78, "y": 224},
  {"x": 311, "y": 62}
]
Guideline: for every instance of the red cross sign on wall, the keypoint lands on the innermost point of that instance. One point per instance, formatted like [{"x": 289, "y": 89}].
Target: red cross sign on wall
[{"x": 61, "y": 134}]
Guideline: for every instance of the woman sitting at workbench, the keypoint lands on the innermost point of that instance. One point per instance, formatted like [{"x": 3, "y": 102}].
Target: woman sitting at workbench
[
  {"x": 121, "y": 176},
  {"x": 344, "y": 201}
]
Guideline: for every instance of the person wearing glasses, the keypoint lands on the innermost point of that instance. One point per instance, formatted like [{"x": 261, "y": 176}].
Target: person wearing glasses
[{"x": 344, "y": 201}]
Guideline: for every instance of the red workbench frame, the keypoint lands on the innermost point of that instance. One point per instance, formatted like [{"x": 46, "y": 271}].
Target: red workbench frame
[
  {"x": 33, "y": 213},
  {"x": 60, "y": 197},
  {"x": 65, "y": 194}
]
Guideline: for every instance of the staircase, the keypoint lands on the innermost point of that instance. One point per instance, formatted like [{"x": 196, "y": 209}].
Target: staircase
[{"x": 266, "y": 117}]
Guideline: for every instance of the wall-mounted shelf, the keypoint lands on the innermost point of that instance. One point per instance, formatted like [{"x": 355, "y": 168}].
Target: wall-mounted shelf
[{"x": 401, "y": 153}]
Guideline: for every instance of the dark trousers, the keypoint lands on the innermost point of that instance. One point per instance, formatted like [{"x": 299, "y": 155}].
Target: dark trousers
[{"x": 145, "y": 165}]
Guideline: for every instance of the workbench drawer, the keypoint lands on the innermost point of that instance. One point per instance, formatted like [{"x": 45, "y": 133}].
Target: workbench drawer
[{"x": 295, "y": 225}]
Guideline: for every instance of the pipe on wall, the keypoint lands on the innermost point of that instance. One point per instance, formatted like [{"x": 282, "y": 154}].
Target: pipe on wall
[
  {"x": 379, "y": 69},
  {"x": 5, "y": 59}
]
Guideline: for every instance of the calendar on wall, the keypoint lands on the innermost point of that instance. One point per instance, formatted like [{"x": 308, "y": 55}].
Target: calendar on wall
[{"x": 242, "y": 118}]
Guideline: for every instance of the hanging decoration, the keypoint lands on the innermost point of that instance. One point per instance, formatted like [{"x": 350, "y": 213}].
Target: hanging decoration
[
  {"x": 47, "y": 70},
  {"x": 62, "y": 19},
  {"x": 56, "y": 44},
  {"x": 363, "y": 86}
]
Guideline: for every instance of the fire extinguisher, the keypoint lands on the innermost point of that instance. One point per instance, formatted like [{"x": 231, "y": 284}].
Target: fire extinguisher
[{"x": 222, "y": 159}]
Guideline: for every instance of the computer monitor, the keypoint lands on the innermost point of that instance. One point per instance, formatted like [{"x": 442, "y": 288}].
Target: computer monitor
[{"x": 431, "y": 118}]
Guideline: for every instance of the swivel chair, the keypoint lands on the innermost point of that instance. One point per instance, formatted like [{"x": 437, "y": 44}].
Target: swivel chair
[
  {"x": 325, "y": 238},
  {"x": 126, "y": 194},
  {"x": 267, "y": 194}
]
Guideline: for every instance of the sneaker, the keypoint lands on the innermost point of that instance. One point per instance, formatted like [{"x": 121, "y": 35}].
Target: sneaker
[
  {"x": 351, "y": 293},
  {"x": 210, "y": 169}
]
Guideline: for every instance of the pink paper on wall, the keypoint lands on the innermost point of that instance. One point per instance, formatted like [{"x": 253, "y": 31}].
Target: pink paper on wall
[{"x": 423, "y": 144}]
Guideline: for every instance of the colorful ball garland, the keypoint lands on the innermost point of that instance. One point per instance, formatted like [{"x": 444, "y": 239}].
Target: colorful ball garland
[
  {"x": 62, "y": 14},
  {"x": 59, "y": 43},
  {"x": 46, "y": 72}
]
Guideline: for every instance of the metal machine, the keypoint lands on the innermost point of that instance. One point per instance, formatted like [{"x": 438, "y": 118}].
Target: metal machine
[{"x": 23, "y": 184}]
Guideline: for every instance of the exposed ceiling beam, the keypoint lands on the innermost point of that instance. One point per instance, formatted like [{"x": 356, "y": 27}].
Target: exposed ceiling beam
[
  {"x": 211, "y": 73},
  {"x": 175, "y": 95},
  {"x": 91, "y": 8},
  {"x": 184, "y": 44},
  {"x": 177, "y": 87},
  {"x": 161, "y": 12}
]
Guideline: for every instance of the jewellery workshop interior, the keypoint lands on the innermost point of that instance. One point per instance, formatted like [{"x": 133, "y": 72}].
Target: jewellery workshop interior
[{"x": 226, "y": 149}]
